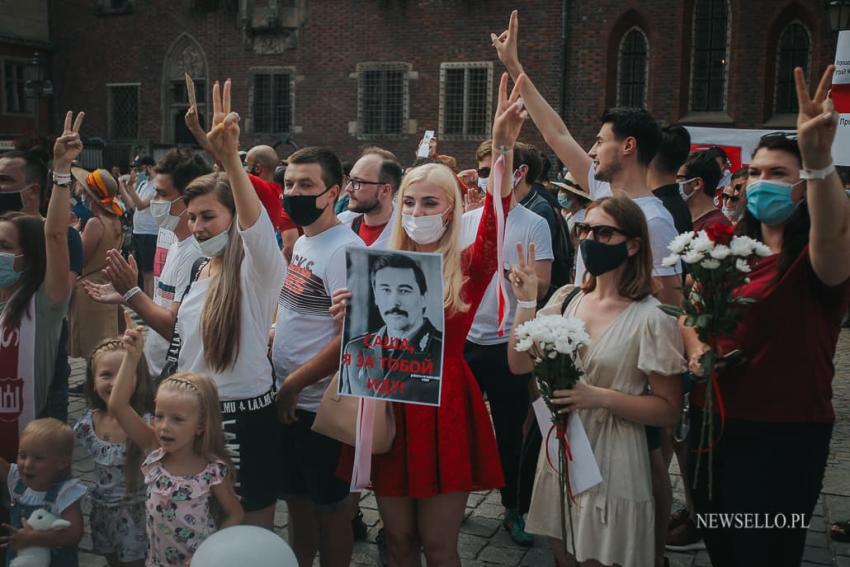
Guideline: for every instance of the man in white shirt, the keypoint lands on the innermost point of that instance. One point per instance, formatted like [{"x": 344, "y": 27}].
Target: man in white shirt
[
  {"x": 305, "y": 355},
  {"x": 145, "y": 229},
  {"x": 486, "y": 351},
  {"x": 372, "y": 185}
]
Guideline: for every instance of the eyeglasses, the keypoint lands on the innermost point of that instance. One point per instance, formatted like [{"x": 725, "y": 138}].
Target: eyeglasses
[
  {"x": 484, "y": 172},
  {"x": 601, "y": 232},
  {"x": 730, "y": 198},
  {"x": 357, "y": 184}
]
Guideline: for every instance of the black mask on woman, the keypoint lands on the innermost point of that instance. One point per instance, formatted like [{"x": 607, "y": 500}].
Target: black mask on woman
[
  {"x": 602, "y": 258},
  {"x": 302, "y": 208}
]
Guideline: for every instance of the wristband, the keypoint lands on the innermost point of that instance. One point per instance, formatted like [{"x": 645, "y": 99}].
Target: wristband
[
  {"x": 531, "y": 304},
  {"x": 61, "y": 178},
  {"x": 817, "y": 173},
  {"x": 131, "y": 293}
]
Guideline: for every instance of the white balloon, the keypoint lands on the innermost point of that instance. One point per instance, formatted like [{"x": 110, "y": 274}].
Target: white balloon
[{"x": 245, "y": 546}]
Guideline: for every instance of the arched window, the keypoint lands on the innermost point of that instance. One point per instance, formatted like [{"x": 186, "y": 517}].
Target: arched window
[
  {"x": 795, "y": 49},
  {"x": 708, "y": 76},
  {"x": 184, "y": 56},
  {"x": 632, "y": 69}
]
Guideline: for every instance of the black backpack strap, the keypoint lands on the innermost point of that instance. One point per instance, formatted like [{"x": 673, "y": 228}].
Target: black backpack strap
[
  {"x": 172, "y": 355},
  {"x": 355, "y": 224},
  {"x": 570, "y": 297}
]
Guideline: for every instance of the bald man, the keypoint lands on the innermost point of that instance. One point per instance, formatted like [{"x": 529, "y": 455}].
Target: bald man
[{"x": 260, "y": 162}]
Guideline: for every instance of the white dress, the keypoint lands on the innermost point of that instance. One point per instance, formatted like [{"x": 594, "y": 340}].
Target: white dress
[{"x": 613, "y": 521}]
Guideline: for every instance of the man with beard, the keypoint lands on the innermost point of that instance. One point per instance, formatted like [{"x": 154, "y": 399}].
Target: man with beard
[{"x": 373, "y": 182}]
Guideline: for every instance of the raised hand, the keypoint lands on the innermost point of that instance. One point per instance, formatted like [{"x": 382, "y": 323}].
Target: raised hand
[
  {"x": 510, "y": 115},
  {"x": 472, "y": 199},
  {"x": 506, "y": 45},
  {"x": 523, "y": 277},
  {"x": 122, "y": 274},
  {"x": 68, "y": 146},
  {"x": 192, "y": 120},
  {"x": 134, "y": 342},
  {"x": 817, "y": 120},
  {"x": 223, "y": 137}
]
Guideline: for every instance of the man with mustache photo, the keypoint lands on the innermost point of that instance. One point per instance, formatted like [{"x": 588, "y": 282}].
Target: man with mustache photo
[{"x": 399, "y": 361}]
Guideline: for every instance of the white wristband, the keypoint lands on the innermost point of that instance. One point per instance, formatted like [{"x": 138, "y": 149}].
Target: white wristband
[
  {"x": 531, "y": 304},
  {"x": 817, "y": 173},
  {"x": 62, "y": 179},
  {"x": 131, "y": 293}
]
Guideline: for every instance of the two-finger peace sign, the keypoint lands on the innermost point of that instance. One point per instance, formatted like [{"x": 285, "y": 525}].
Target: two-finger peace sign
[
  {"x": 523, "y": 276},
  {"x": 817, "y": 120},
  {"x": 221, "y": 102},
  {"x": 68, "y": 146}
]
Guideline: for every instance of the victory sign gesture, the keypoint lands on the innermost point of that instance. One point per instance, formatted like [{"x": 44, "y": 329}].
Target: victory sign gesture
[
  {"x": 817, "y": 120},
  {"x": 223, "y": 137},
  {"x": 510, "y": 115},
  {"x": 69, "y": 145}
]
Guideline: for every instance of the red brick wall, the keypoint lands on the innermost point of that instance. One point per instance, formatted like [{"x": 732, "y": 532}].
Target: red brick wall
[{"x": 337, "y": 34}]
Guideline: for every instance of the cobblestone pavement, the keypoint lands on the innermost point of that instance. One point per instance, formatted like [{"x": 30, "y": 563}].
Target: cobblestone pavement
[{"x": 483, "y": 542}]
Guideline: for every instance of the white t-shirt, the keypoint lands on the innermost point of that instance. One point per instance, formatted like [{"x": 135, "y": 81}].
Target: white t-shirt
[
  {"x": 168, "y": 289},
  {"x": 304, "y": 324},
  {"x": 523, "y": 226},
  {"x": 164, "y": 240},
  {"x": 261, "y": 274},
  {"x": 659, "y": 222},
  {"x": 143, "y": 221}
]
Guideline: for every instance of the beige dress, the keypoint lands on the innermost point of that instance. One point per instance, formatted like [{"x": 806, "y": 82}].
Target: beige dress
[
  {"x": 89, "y": 321},
  {"x": 613, "y": 521}
]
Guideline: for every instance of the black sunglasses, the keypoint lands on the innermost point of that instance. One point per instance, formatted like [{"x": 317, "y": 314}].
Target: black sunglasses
[
  {"x": 484, "y": 172},
  {"x": 730, "y": 198},
  {"x": 601, "y": 232}
]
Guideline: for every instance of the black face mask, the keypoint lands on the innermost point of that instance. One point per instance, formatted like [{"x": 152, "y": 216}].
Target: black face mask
[
  {"x": 302, "y": 208},
  {"x": 602, "y": 258},
  {"x": 10, "y": 202}
]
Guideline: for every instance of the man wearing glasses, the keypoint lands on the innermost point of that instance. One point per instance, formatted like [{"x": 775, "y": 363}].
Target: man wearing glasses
[
  {"x": 733, "y": 200},
  {"x": 371, "y": 186}
]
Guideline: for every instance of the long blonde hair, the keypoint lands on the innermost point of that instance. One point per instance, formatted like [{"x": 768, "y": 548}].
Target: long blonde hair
[
  {"x": 210, "y": 444},
  {"x": 221, "y": 319},
  {"x": 450, "y": 242}
]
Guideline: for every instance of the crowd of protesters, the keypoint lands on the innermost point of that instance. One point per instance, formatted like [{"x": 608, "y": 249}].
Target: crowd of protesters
[{"x": 234, "y": 262}]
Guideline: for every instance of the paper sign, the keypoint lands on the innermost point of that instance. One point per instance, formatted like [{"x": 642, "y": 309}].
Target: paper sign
[
  {"x": 190, "y": 91},
  {"x": 425, "y": 145},
  {"x": 392, "y": 346},
  {"x": 584, "y": 471},
  {"x": 840, "y": 95}
]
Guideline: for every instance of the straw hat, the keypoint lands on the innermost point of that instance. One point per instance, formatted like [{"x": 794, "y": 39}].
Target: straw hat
[
  {"x": 100, "y": 187},
  {"x": 574, "y": 189}
]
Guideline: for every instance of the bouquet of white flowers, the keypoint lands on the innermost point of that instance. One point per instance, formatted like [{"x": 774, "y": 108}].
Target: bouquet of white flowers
[
  {"x": 553, "y": 342},
  {"x": 718, "y": 263}
]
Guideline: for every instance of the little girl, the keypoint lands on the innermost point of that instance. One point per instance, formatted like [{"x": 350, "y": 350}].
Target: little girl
[
  {"x": 118, "y": 499},
  {"x": 42, "y": 479},
  {"x": 186, "y": 458}
]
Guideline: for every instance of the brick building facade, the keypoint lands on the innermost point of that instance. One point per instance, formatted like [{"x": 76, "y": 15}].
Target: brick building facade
[{"x": 348, "y": 73}]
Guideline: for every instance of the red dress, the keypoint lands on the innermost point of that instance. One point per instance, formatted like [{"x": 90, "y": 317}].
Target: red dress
[{"x": 450, "y": 448}]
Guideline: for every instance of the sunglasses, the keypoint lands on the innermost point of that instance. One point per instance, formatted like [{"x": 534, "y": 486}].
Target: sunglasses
[
  {"x": 484, "y": 172},
  {"x": 730, "y": 198},
  {"x": 601, "y": 232}
]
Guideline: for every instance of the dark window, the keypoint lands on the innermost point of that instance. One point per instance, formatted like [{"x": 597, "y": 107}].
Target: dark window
[
  {"x": 632, "y": 73},
  {"x": 709, "y": 72},
  {"x": 272, "y": 104},
  {"x": 794, "y": 51},
  {"x": 466, "y": 97},
  {"x": 16, "y": 99},
  {"x": 382, "y": 101},
  {"x": 124, "y": 112}
]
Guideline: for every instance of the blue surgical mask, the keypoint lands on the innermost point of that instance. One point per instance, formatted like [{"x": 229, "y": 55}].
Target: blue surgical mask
[
  {"x": 8, "y": 275},
  {"x": 770, "y": 201},
  {"x": 565, "y": 201}
]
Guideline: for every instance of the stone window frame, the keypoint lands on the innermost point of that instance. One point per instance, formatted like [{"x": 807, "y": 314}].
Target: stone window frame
[
  {"x": 620, "y": 101},
  {"x": 110, "y": 118},
  {"x": 790, "y": 81},
  {"x": 28, "y": 103},
  {"x": 408, "y": 126},
  {"x": 466, "y": 136},
  {"x": 272, "y": 70},
  {"x": 709, "y": 116}
]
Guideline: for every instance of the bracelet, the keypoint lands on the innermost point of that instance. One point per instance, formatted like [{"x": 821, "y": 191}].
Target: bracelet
[
  {"x": 806, "y": 173},
  {"x": 131, "y": 293},
  {"x": 61, "y": 178},
  {"x": 530, "y": 304},
  {"x": 503, "y": 150}
]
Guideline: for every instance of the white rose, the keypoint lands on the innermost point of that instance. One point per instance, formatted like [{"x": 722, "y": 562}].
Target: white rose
[
  {"x": 710, "y": 264},
  {"x": 720, "y": 252},
  {"x": 692, "y": 257},
  {"x": 742, "y": 266}
]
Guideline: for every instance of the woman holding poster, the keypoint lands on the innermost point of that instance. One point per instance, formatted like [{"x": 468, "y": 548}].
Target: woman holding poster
[
  {"x": 34, "y": 295},
  {"x": 440, "y": 454},
  {"x": 776, "y": 417}
]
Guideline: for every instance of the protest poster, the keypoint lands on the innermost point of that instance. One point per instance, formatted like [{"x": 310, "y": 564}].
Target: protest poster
[
  {"x": 392, "y": 347},
  {"x": 840, "y": 94}
]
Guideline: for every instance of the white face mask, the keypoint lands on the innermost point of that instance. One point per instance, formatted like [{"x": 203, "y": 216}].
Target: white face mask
[
  {"x": 685, "y": 195},
  {"x": 725, "y": 179},
  {"x": 731, "y": 213},
  {"x": 214, "y": 246},
  {"x": 482, "y": 183},
  {"x": 161, "y": 212},
  {"x": 425, "y": 229}
]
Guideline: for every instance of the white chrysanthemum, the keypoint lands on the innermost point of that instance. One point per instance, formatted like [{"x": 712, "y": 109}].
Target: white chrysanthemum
[
  {"x": 710, "y": 264},
  {"x": 702, "y": 243},
  {"x": 720, "y": 252},
  {"x": 671, "y": 260},
  {"x": 524, "y": 344},
  {"x": 742, "y": 246},
  {"x": 692, "y": 257},
  {"x": 678, "y": 244},
  {"x": 742, "y": 266},
  {"x": 762, "y": 249}
]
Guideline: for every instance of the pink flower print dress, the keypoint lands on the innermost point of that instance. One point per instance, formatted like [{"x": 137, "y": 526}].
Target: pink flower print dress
[{"x": 178, "y": 510}]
